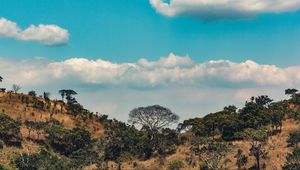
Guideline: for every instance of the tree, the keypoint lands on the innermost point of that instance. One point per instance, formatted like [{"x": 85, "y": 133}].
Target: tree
[
  {"x": 68, "y": 93},
  {"x": 30, "y": 126},
  {"x": 210, "y": 152},
  {"x": 257, "y": 139},
  {"x": 41, "y": 160},
  {"x": 291, "y": 92},
  {"x": 241, "y": 159},
  {"x": 293, "y": 160},
  {"x": 62, "y": 93},
  {"x": 46, "y": 96},
  {"x": 1, "y": 78},
  {"x": 32, "y": 93},
  {"x": 294, "y": 139},
  {"x": 16, "y": 88},
  {"x": 10, "y": 130},
  {"x": 276, "y": 111},
  {"x": 154, "y": 117}
]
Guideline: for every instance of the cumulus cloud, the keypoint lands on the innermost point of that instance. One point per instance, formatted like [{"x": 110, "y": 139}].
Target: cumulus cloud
[
  {"x": 45, "y": 34},
  {"x": 185, "y": 86},
  {"x": 163, "y": 72},
  {"x": 222, "y": 9}
]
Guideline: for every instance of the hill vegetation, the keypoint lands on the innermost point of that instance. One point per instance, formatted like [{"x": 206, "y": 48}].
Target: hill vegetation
[{"x": 37, "y": 132}]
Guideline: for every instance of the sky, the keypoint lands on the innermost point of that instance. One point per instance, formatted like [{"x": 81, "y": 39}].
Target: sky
[{"x": 192, "y": 56}]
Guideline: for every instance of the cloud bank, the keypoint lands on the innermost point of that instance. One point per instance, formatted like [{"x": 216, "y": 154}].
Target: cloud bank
[
  {"x": 188, "y": 88},
  {"x": 45, "y": 34},
  {"x": 163, "y": 72},
  {"x": 223, "y": 9}
]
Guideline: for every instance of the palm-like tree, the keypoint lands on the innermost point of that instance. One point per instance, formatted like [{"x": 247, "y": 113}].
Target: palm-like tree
[{"x": 62, "y": 93}]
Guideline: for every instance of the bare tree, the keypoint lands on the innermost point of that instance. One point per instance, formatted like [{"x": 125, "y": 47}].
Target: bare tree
[
  {"x": 16, "y": 88},
  {"x": 154, "y": 117}
]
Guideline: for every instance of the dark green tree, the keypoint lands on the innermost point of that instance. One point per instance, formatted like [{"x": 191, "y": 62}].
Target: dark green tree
[
  {"x": 257, "y": 139},
  {"x": 10, "y": 130},
  {"x": 293, "y": 160},
  {"x": 294, "y": 139},
  {"x": 291, "y": 92}
]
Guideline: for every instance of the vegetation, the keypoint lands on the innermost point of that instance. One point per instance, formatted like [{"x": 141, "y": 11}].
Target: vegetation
[
  {"x": 208, "y": 140},
  {"x": 41, "y": 160},
  {"x": 10, "y": 130},
  {"x": 293, "y": 160},
  {"x": 175, "y": 165},
  {"x": 241, "y": 159}
]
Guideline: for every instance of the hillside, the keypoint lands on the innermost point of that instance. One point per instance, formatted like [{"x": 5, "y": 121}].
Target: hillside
[
  {"x": 87, "y": 141},
  {"x": 11, "y": 103}
]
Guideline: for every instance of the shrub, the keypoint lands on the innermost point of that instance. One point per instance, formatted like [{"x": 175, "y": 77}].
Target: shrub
[
  {"x": 175, "y": 165},
  {"x": 293, "y": 160},
  {"x": 10, "y": 130},
  {"x": 41, "y": 160}
]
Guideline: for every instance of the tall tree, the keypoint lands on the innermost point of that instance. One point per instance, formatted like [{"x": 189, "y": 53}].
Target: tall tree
[
  {"x": 153, "y": 117},
  {"x": 291, "y": 91},
  {"x": 16, "y": 88},
  {"x": 241, "y": 159},
  {"x": 62, "y": 92},
  {"x": 258, "y": 139},
  {"x": 210, "y": 152}
]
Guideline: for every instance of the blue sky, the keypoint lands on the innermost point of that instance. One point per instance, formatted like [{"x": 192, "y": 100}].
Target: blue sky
[
  {"x": 126, "y": 31},
  {"x": 167, "y": 51}
]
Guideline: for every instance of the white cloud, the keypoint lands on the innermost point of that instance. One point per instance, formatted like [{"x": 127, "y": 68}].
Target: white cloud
[
  {"x": 45, "y": 34},
  {"x": 223, "y": 9},
  {"x": 167, "y": 70},
  {"x": 186, "y": 87}
]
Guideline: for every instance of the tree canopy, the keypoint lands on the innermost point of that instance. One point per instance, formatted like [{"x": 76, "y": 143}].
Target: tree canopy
[{"x": 154, "y": 117}]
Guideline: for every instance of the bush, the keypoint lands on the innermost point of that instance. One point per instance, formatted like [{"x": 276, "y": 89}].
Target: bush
[
  {"x": 10, "y": 130},
  {"x": 294, "y": 139},
  {"x": 67, "y": 141},
  {"x": 41, "y": 160},
  {"x": 293, "y": 160},
  {"x": 175, "y": 165}
]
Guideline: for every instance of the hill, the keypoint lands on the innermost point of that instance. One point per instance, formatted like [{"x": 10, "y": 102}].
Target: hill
[{"x": 39, "y": 133}]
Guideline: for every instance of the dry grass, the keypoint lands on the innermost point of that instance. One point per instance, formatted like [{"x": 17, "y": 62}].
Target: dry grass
[{"x": 12, "y": 105}]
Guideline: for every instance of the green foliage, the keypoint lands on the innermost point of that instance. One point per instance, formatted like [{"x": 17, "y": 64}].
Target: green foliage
[
  {"x": 32, "y": 93},
  {"x": 10, "y": 130},
  {"x": 291, "y": 91},
  {"x": 175, "y": 165},
  {"x": 2, "y": 167},
  {"x": 294, "y": 139},
  {"x": 67, "y": 141},
  {"x": 257, "y": 139},
  {"x": 210, "y": 152},
  {"x": 229, "y": 122},
  {"x": 126, "y": 142},
  {"x": 76, "y": 143},
  {"x": 293, "y": 160},
  {"x": 241, "y": 159},
  {"x": 41, "y": 160},
  {"x": 83, "y": 157}
]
